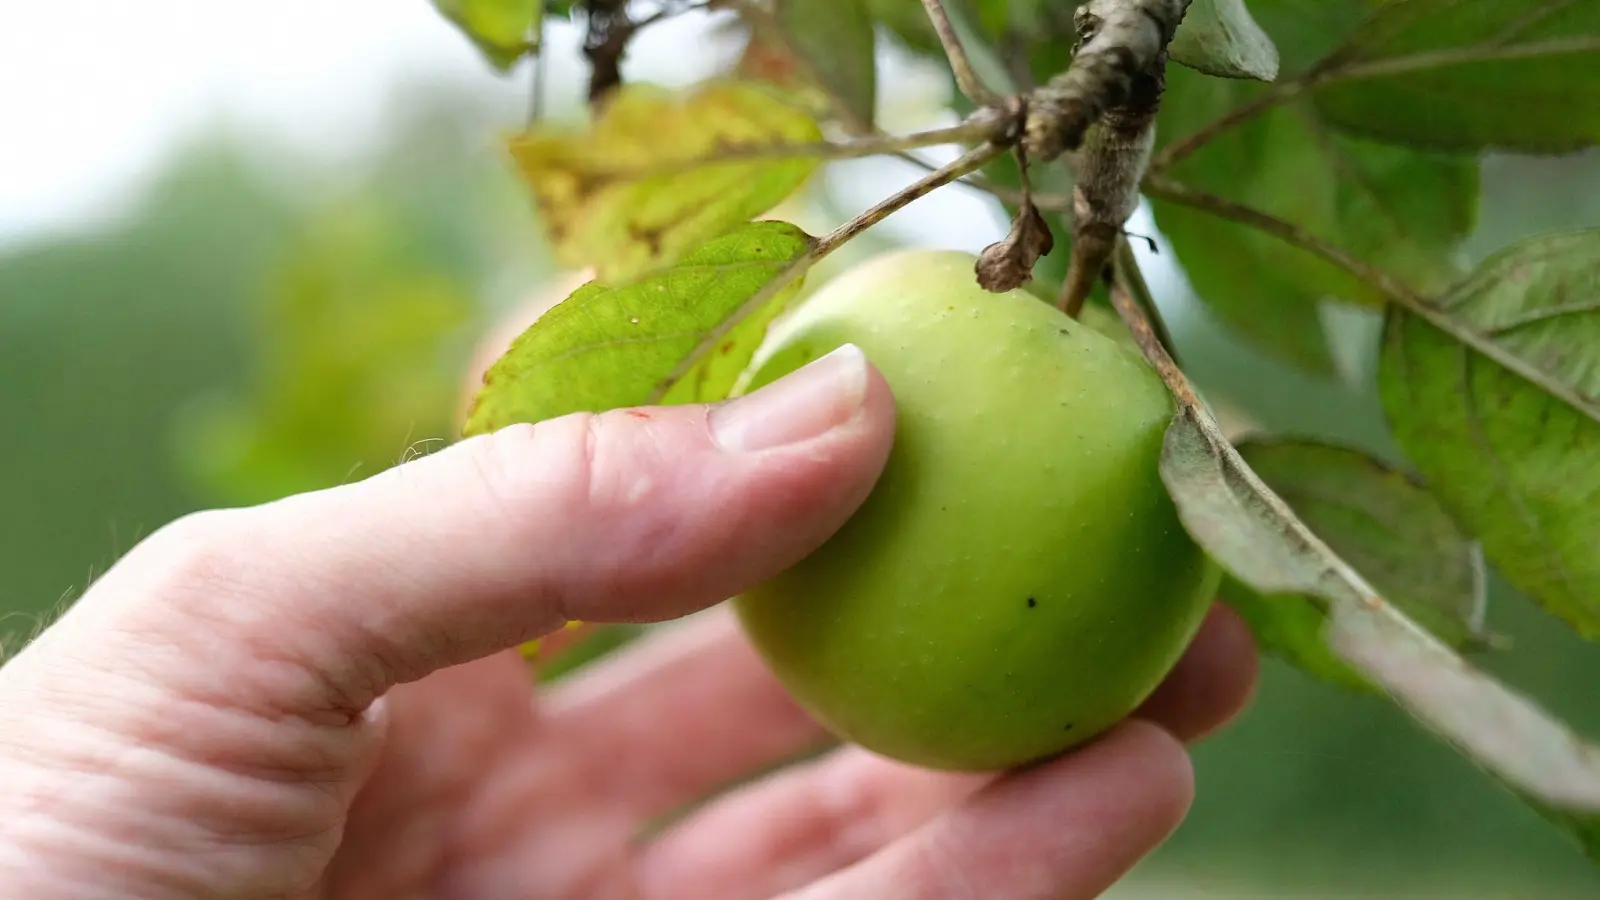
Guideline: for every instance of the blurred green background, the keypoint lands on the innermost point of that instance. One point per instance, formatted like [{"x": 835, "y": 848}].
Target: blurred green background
[{"x": 262, "y": 318}]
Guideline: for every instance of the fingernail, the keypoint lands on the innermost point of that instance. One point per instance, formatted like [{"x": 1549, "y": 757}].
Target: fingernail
[{"x": 804, "y": 404}]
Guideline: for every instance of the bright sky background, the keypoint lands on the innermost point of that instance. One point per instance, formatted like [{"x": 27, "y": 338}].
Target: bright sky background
[{"x": 95, "y": 92}]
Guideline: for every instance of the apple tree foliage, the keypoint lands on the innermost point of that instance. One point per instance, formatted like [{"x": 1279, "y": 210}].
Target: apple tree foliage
[{"x": 1295, "y": 155}]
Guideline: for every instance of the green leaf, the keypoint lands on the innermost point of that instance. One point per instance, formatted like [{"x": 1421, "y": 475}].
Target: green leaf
[
  {"x": 1398, "y": 209},
  {"x": 1254, "y": 535},
  {"x": 661, "y": 173},
  {"x": 1471, "y": 75},
  {"x": 503, "y": 30},
  {"x": 836, "y": 42},
  {"x": 600, "y": 643},
  {"x": 1383, "y": 523},
  {"x": 1219, "y": 37},
  {"x": 1291, "y": 629},
  {"x": 1495, "y": 397},
  {"x": 610, "y": 346}
]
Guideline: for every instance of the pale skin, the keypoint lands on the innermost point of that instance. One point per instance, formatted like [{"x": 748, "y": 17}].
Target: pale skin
[{"x": 321, "y": 697}]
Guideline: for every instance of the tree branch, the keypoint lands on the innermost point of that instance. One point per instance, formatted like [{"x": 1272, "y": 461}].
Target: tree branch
[
  {"x": 967, "y": 80},
  {"x": 982, "y": 127},
  {"x": 1119, "y": 40},
  {"x": 969, "y": 162},
  {"x": 610, "y": 30},
  {"x": 1111, "y": 164},
  {"x": 1177, "y": 192}
]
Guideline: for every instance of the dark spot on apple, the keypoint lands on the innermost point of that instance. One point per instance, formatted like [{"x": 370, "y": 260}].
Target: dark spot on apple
[
  {"x": 1064, "y": 332},
  {"x": 1032, "y": 603},
  {"x": 1069, "y": 726}
]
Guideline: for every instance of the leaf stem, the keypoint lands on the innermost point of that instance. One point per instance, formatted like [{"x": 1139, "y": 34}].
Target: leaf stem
[
  {"x": 1398, "y": 294},
  {"x": 984, "y": 126},
  {"x": 1175, "y": 153},
  {"x": 1130, "y": 296},
  {"x": 1125, "y": 268},
  {"x": 967, "y": 80},
  {"x": 967, "y": 163}
]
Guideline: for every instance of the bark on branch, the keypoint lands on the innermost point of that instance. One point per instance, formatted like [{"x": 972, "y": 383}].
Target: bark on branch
[{"x": 1118, "y": 41}]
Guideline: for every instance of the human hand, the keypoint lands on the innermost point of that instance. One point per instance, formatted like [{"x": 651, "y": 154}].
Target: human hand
[{"x": 320, "y": 696}]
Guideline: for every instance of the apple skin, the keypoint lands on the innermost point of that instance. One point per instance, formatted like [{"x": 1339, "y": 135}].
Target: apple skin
[{"x": 1018, "y": 580}]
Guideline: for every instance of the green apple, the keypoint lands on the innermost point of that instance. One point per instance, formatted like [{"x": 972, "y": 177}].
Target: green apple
[{"x": 1018, "y": 580}]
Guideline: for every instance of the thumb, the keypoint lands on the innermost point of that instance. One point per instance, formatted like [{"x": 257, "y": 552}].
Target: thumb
[{"x": 631, "y": 515}]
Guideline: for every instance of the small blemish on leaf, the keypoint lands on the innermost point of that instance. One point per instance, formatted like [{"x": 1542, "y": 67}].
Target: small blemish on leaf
[
  {"x": 1069, "y": 726},
  {"x": 726, "y": 348},
  {"x": 1032, "y": 603}
]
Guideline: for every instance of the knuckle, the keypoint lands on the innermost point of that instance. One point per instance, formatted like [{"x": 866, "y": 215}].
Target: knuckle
[
  {"x": 192, "y": 553},
  {"x": 591, "y": 465},
  {"x": 526, "y": 471},
  {"x": 490, "y": 460},
  {"x": 623, "y": 452},
  {"x": 854, "y": 809}
]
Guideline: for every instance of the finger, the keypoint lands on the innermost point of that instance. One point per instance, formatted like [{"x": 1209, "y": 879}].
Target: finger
[
  {"x": 1212, "y": 683},
  {"x": 815, "y": 818},
  {"x": 432, "y": 766},
  {"x": 698, "y": 696},
  {"x": 631, "y": 515},
  {"x": 1067, "y": 830},
  {"x": 799, "y": 825}
]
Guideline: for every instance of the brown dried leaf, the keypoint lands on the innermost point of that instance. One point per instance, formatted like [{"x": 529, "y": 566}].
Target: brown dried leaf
[{"x": 1008, "y": 264}]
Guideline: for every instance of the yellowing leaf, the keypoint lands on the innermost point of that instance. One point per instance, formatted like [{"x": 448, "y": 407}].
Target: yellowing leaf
[
  {"x": 503, "y": 30},
  {"x": 659, "y": 173},
  {"x": 613, "y": 346}
]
